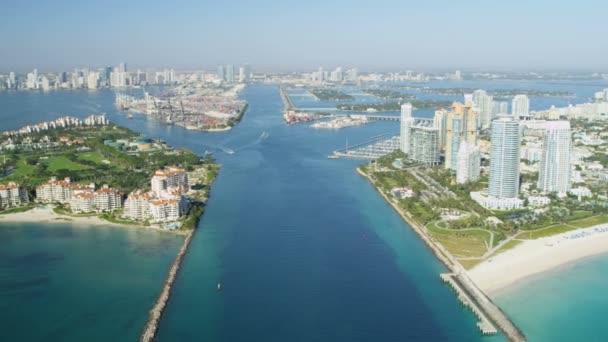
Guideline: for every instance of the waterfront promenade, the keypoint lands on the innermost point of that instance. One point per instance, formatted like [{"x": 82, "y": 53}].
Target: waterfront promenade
[{"x": 469, "y": 293}]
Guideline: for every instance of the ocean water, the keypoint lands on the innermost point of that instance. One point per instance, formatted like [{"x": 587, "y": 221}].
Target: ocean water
[
  {"x": 304, "y": 247},
  {"x": 60, "y": 282}
]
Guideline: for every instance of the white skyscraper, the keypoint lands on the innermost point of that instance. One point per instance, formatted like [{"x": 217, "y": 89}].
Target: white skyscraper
[
  {"x": 406, "y": 123},
  {"x": 469, "y": 161},
  {"x": 468, "y": 99},
  {"x": 504, "y": 158},
  {"x": 554, "y": 173},
  {"x": 521, "y": 107},
  {"x": 484, "y": 104}
]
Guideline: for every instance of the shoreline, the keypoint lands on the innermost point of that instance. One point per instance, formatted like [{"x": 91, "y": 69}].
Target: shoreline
[
  {"x": 537, "y": 257},
  {"x": 469, "y": 293},
  {"x": 46, "y": 215}
]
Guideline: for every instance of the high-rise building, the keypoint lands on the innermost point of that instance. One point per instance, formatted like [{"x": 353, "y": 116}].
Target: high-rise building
[
  {"x": 440, "y": 122},
  {"x": 424, "y": 145},
  {"x": 122, "y": 67},
  {"x": 93, "y": 80},
  {"x": 461, "y": 126},
  {"x": 555, "y": 169},
  {"x": 221, "y": 73},
  {"x": 468, "y": 99},
  {"x": 500, "y": 108},
  {"x": 230, "y": 73},
  {"x": 521, "y": 107},
  {"x": 484, "y": 105},
  {"x": 504, "y": 158},
  {"x": 469, "y": 162},
  {"x": 406, "y": 123}
]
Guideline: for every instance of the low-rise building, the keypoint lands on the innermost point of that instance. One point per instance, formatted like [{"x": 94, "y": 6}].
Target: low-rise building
[
  {"x": 538, "y": 201},
  {"x": 581, "y": 191},
  {"x": 402, "y": 193},
  {"x": 495, "y": 203}
]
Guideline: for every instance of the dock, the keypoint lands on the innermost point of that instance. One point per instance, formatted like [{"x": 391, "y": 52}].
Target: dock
[
  {"x": 484, "y": 324},
  {"x": 374, "y": 148}
]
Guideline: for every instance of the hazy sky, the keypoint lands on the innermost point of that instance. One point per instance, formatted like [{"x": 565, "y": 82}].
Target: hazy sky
[{"x": 286, "y": 34}]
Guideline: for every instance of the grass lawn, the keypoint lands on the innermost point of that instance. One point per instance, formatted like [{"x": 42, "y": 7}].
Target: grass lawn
[
  {"x": 590, "y": 221},
  {"x": 544, "y": 232},
  {"x": 23, "y": 168},
  {"x": 468, "y": 264},
  {"x": 468, "y": 243},
  {"x": 61, "y": 162},
  {"x": 93, "y": 156}
]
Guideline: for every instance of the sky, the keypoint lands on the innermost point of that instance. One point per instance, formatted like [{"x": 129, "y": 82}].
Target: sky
[{"x": 285, "y": 35}]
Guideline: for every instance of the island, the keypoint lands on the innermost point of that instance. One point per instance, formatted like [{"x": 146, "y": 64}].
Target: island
[
  {"x": 93, "y": 171},
  {"x": 387, "y": 94},
  {"x": 393, "y": 106},
  {"x": 327, "y": 94}
]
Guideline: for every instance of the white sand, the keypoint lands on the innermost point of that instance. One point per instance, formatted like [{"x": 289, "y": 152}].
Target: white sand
[
  {"x": 536, "y": 256},
  {"x": 45, "y": 214}
]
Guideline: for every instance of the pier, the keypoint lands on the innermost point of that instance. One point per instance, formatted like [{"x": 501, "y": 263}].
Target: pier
[
  {"x": 485, "y": 326},
  {"x": 374, "y": 148},
  {"x": 151, "y": 328}
]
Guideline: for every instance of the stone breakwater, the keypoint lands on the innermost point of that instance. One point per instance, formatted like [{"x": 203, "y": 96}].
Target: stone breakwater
[{"x": 149, "y": 333}]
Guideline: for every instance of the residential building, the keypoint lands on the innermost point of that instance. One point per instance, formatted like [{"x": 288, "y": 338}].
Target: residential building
[
  {"x": 461, "y": 126},
  {"x": 554, "y": 172},
  {"x": 55, "y": 191},
  {"x": 107, "y": 199},
  {"x": 440, "y": 122},
  {"x": 484, "y": 105},
  {"x": 170, "y": 177},
  {"x": 137, "y": 205},
  {"x": 424, "y": 145},
  {"x": 12, "y": 195},
  {"x": 521, "y": 107},
  {"x": 504, "y": 158},
  {"x": 406, "y": 123},
  {"x": 82, "y": 202},
  {"x": 469, "y": 163}
]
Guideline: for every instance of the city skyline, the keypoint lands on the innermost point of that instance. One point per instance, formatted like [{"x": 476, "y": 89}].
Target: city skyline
[{"x": 279, "y": 36}]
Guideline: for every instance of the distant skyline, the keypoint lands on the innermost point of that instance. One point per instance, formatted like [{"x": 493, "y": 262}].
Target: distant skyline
[{"x": 283, "y": 35}]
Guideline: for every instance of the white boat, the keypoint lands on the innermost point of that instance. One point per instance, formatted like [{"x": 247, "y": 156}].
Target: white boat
[
  {"x": 333, "y": 156},
  {"x": 219, "y": 286}
]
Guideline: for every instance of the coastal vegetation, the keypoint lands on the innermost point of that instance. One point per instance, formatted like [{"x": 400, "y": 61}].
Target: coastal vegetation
[
  {"x": 387, "y": 94},
  {"x": 499, "y": 93},
  {"x": 110, "y": 155},
  {"x": 106, "y": 154},
  {"x": 468, "y": 231},
  {"x": 393, "y": 106},
  {"x": 328, "y": 94}
]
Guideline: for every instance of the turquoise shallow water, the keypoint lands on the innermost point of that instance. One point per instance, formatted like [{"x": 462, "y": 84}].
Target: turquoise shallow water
[
  {"x": 566, "y": 304},
  {"x": 60, "y": 282},
  {"x": 305, "y": 248}
]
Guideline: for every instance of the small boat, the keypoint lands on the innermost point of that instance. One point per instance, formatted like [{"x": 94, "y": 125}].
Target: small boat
[
  {"x": 130, "y": 116},
  {"x": 219, "y": 286},
  {"x": 333, "y": 156}
]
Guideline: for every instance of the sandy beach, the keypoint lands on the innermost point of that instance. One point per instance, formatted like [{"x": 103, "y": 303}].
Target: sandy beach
[
  {"x": 45, "y": 214},
  {"x": 533, "y": 257}
]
